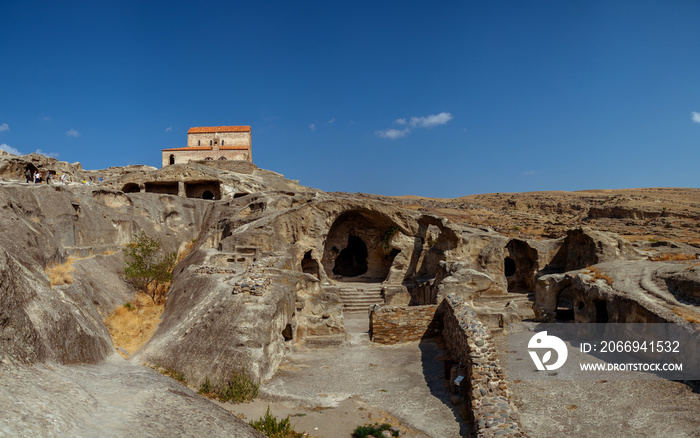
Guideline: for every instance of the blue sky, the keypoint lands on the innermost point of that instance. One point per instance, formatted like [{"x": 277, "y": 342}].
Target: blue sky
[{"x": 442, "y": 99}]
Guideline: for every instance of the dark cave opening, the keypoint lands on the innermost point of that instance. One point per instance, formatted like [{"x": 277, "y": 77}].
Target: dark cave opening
[
  {"x": 601, "y": 312},
  {"x": 287, "y": 333},
  {"x": 309, "y": 265},
  {"x": 352, "y": 260},
  {"x": 509, "y": 266}
]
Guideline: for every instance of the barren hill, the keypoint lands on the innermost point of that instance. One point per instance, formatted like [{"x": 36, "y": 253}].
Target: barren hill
[{"x": 635, "y": 214}]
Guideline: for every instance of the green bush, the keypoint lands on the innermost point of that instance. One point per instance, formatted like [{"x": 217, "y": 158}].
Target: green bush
[
  {"x": 273, "y": 428},
  {"x": 239, "y": 388},
  {"x": 145, "y": 267},
  {"x": 206, "y": 387},
  {"x": 374, "y": 430},
  {"x": 177, "y": 375},
  {"x": 388, "y": 235}
]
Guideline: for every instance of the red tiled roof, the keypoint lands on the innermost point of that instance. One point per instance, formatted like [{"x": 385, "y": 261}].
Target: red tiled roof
[
  {"x": 208, "y": 148},
  {"x": 207, "y": 129}
]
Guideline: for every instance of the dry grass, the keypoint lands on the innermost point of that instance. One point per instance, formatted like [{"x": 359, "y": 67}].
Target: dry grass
[
  {"x": 133, "y": 324},
  {"x": 61, "y": 274},
  {"x": 689, "y": 315},
  {"x": 597, "y": 275},
  {"x": 672, "y": 257},
  {"x": 185, "y": 251}
]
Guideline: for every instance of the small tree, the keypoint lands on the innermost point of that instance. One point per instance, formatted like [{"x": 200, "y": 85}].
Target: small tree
[{"x": 145, "y": 268}]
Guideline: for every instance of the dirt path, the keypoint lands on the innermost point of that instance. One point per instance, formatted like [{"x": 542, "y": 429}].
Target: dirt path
[{"x": 328, "y": 392}]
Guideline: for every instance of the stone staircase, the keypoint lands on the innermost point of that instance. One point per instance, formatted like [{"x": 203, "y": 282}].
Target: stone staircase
[{"x": 357, "y": 297}]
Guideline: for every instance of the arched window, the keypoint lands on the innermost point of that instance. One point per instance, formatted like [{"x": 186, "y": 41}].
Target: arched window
[
  {"x": 222, "y": 142},
  {"x": 199, "y": 142},
  {"x": 222, "y": 158},
  {"x": 210, "y": 142},
  {"x": 172, "y": 159}
]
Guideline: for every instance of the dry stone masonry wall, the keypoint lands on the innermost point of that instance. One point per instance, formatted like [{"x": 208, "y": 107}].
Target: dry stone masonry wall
[
  {"x": 213, "y": 270},
  {"x": 469, "y": 342},
  {"x": 391, "y": 325},
  {"x": 255, "y": 281}
]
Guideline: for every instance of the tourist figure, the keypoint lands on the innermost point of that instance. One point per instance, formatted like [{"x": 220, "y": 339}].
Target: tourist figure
[
  {"x": 63, "y": 178},
  {"x": 37, "y": 177},
  {"x": 48, "y": 176},
  {"x": 28, "y": 174}
]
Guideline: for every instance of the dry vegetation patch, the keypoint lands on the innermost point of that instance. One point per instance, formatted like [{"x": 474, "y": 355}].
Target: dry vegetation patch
[
  {"x": 691, "y": 316},
  {"x": 132, "y": 324},
  {"x": 672, "y": 257},
  {"x": 597, "y": 275},
  {"x": 60, "y": 274}
]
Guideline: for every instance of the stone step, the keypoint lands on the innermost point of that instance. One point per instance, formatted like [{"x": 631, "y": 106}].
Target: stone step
[
  {"x": 322, "y": 341},
  {"x": 358, "y": 310},
  {"x": 357, "y": 307},
  {"x": 360, "y": 297},
  {"x": 364, "y": 301}
]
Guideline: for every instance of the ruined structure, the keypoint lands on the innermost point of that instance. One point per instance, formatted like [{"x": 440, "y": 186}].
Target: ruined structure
[
  {"x": 213, "y": 143},
  {"x": 277, "y": 266}
]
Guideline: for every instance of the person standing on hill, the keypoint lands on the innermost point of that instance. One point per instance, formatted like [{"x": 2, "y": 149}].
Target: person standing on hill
[
  {"x": 48, "y": 176},
  {"x": 28, "y": 174}
]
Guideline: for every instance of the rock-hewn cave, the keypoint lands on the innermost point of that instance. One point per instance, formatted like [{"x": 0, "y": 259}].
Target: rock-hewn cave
[
  {"x": 519, "y": 266},
  {"x": 131, "y": 188},
  {"x": 355, "y": 247},
  {"x": 352, "y": 260},
  {"x": 203, "y": 190},
  {"x": 309, "y": 265},
  {"x": 169, "y": 187}
]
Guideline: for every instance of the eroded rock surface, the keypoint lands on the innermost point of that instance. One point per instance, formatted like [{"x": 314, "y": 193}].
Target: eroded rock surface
[{"x": 276, "y": 265}]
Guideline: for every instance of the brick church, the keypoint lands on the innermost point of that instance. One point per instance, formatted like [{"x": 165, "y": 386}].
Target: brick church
[{"x": 212, "y": 143}]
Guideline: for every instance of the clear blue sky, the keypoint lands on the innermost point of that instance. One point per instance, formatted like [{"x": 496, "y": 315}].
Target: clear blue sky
[{"x": 443, "y": 98}]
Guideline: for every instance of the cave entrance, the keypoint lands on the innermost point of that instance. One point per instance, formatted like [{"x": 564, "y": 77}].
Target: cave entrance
[
  {"x": 164, "y": 187},
  {"x": 131, "y": 188},
  {"x": 352, "y": 260},
  {"x": 357, "y": 248},
  {"x": 519, "y": 266},
  {"x": 509, "y": 266},
  {"x": 309, "y": 265},
  {"x": 203, "y": 189},
  {"x": 287, "y": 333},
  {"x": 601, "y": 312},
  {"x": 172, "y": 159},
  {"x": 565, "y": 306}
]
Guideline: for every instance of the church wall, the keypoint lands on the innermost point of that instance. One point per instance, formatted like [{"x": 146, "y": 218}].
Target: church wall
[
  {"x": 229, "y": 138},
  {"x": 182, "y": 157}
]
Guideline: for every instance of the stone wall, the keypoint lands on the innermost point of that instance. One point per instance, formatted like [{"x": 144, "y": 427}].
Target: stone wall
[
  {"x": 203, "y": 139},
  {"x": 470, "y": 343},
  {"x": 392, "y": 325},
  {"x": 183, "y": 155}
]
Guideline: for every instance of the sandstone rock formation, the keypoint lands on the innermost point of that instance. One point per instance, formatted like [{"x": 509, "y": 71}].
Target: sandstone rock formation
[{"x": 276, "y": 265}]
